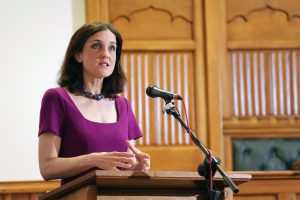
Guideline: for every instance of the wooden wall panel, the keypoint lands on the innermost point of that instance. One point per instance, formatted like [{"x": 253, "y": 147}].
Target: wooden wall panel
[
  {"x": 264, "y": 83},
  {"x": 153, "y": 22},
  {"x": 261, "y": 79},
  {"x": 171, "y": 70},
  {"x": 263, "y": 24},
  {"x": 282, "y": 185}
]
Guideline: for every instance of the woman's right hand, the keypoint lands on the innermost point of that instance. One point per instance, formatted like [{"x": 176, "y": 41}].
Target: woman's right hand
[{"x": 113, "y": 160}]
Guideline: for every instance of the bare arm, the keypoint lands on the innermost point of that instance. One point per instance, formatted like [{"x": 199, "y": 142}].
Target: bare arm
[{"x": 54, "y": 167}]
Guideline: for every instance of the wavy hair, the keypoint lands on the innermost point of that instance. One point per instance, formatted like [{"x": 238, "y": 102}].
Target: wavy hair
[{"x": 71, "y": 72}]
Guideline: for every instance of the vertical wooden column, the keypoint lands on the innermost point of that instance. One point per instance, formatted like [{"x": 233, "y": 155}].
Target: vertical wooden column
[
  {"x": 99, "y": 8},
  {"x": 215, "y": 34},
  {"x": 200, "y": 77}
]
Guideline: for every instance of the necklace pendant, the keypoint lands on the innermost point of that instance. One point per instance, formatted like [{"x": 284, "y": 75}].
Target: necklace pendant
[
  {"x": 98, "y": 97},
  {"x": 90, "y": 95}
]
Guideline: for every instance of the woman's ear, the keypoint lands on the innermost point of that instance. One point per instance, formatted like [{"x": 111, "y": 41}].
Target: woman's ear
[{"x": 78, "y": 57}]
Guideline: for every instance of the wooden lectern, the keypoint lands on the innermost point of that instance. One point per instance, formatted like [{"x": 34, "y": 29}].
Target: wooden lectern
[{"x": 125, "y": 185}]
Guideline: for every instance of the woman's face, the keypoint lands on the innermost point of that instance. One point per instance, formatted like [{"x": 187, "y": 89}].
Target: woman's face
[{"x": 98, "y": 55}]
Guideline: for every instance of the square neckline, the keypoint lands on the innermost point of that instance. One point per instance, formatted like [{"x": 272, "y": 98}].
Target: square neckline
[{"x": 110, "y": 123}]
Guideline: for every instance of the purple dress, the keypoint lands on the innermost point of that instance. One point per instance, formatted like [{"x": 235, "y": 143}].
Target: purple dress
[{"x": 80, "y": 136}]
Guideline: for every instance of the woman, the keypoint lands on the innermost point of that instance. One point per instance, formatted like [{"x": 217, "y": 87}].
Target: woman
[{"x": 84, "y": 124}]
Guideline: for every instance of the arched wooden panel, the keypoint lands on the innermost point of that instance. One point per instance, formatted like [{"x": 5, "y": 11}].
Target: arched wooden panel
[
  {"x": 153, "y": 19},
  {"x": 264, "y": 27},
  {"x": 171, "y": 71},
  {"x": 126, "y": 7},
  {"x": 242, "y": 8}
]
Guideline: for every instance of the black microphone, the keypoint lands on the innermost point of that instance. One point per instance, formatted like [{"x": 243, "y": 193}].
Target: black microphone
[{"x": 153, "y": 91}]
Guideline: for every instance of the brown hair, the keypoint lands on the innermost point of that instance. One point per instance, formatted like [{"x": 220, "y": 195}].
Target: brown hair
[{"x": 71, "y": 71}]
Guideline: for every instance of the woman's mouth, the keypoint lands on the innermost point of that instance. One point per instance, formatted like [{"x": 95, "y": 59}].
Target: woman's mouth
[{"x": 103, "y": 64}]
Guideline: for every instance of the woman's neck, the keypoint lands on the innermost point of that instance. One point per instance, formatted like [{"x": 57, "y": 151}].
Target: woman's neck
[{"x": 93, "y": 86}]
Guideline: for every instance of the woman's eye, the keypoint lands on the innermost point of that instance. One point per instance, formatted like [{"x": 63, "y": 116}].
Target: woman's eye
[
  {"x": 96, "y": 46},
  {"x": 112, "y": 48}
]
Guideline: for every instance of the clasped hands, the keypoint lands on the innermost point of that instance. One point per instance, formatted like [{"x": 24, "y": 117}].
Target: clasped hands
[{"x": 134, "y": 160}]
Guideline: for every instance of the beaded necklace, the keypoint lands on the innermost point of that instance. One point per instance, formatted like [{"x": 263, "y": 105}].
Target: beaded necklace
[{"x": 90, "y": 95}]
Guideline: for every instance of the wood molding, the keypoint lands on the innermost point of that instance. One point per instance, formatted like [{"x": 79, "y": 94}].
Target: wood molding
[
  {"x": 267, "y": 123},
  {"x": 159, "y": 45},
  {"x": 27, "y": 186},
  {"x": 262, "y": 44},
  {"x": 270, "y": 185}
]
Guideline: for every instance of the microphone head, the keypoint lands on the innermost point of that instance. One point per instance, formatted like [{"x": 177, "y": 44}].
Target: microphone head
[
  {"x": 149, "y": 91},
  {"x": 153, "y": 91}
]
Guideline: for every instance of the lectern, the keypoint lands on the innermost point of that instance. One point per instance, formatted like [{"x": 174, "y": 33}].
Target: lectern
[{"x": 125, "y": 185}]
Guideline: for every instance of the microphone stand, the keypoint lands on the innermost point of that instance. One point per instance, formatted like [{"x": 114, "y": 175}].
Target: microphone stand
[{"x": 203, "y": 169}]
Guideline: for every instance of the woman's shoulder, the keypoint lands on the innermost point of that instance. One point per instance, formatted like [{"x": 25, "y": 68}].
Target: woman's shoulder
[
  {"x": 123, "y": 102},
  {"x": 57, "y": 92},
  {"x": 121, "y": 99}
]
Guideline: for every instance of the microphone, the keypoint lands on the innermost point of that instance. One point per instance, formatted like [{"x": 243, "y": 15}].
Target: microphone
[{"x": 153, "y": 91}]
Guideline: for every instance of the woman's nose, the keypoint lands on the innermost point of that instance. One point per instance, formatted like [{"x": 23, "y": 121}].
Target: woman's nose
[{"x": 105, "y": 53}]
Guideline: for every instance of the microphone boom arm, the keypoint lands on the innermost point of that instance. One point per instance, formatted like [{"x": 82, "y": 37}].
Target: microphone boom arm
[{"x": 170, "y": 110}]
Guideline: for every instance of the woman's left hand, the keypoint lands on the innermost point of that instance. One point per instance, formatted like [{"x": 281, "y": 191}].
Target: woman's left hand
[{"x": 143, "y": 159}]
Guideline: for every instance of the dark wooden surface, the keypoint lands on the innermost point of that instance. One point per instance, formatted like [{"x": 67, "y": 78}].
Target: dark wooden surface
[{"x": 129, "y": 183}]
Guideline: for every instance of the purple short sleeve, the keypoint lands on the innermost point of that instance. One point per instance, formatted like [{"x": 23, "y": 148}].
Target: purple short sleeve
[
  {"x": 134, "y": 131},
  {"x": 51, "y": 113}
]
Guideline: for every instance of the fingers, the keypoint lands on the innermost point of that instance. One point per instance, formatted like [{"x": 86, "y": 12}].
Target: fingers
[
  {"x": 132, "y": 147},
  {"x": 121, "y": 154},
  {"x": 123, "y": 160},
  {"x": 142, "y": 158},
  {"x": 122, "y": 165},
  {"x": 144, "y": 162},
  {"x": 114, "y": 160},
  {"x": 144, "y": 155}
]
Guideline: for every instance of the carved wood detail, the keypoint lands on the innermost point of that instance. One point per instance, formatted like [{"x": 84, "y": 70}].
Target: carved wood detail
[
  {"x": 153, "y": 23},
  {"x": 265, "y": 23},
  {"x": 176, "y": 8},
  {"x": 153, "y": 18},
  {"x": 129, "y": 16},
  {"x": 267, "y": 8},
  {"x": 243, "y": 8}
]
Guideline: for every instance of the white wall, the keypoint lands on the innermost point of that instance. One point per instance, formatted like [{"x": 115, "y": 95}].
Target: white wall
[{"x": 34, "y": 35}]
